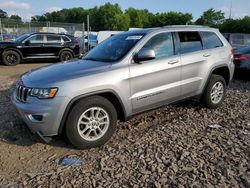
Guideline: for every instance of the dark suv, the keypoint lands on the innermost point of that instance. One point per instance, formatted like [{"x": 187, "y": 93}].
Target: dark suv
[{"x": 39, "y": 46}]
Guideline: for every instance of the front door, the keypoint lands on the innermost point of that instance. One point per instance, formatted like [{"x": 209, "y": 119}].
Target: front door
[
  {"x": 33, "y": 46},
  {"x": 156, "y": 82}
]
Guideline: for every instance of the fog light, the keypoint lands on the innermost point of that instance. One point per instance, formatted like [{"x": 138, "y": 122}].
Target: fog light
[{"x": 35, "y": 118}]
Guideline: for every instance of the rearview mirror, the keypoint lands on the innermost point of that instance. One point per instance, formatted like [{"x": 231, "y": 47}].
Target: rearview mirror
[
  {"x": 144, "y": 55},
  {"x": 27, "y": 43}
]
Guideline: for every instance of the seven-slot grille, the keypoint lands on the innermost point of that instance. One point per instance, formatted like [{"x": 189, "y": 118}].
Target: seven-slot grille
[{"x": 22, "y": 93}]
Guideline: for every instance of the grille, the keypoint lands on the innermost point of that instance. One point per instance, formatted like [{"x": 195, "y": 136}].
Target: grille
[{"x": 22, "y": 93}]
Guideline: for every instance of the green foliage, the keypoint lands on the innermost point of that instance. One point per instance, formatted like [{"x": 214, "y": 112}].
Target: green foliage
[
  {"x": 171, "y": 18},
  {"x": 138, "y": 18},
  {"x": 211, "y": 18},
  {"x": 236, "y": 26},
  {"x": 3, "y": 14}
]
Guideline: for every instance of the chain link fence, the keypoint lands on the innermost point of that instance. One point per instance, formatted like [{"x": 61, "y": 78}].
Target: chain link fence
[
  {"x": 11, "y": 29},
  {"x": 8, "y": 26}
]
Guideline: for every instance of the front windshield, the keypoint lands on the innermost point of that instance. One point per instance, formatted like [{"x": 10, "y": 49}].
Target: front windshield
[
  {"x": 114, "y": 48},
  {"x": 22, "y": 37}
]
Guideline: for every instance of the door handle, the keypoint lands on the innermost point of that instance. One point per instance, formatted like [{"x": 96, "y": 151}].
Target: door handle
[
  {"x": 173, "y": 62},
  {"x": 206, "y": 55}
]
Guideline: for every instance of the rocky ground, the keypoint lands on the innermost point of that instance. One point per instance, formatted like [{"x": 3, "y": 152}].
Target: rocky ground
[{"x": 169, "y": 147}]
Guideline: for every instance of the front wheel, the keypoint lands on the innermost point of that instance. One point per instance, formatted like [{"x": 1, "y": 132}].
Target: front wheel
[
  {"x": 91, "y": 122},
  {"x": 215, "y": 92},
  {"x": 11, "y": 58}
]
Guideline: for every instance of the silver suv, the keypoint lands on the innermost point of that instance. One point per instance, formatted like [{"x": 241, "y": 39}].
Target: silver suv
[{"x": 127, "y": 74}]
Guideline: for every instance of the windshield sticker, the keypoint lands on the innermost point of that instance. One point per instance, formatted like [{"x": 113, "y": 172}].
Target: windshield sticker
[{"x": 135, "y": 37}]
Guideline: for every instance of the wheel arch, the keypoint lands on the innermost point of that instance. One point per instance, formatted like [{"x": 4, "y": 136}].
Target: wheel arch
[
  {"x": 110, "y": 95},
  {"x": 13, "y": 49},
  {"x": 66, "y": 49}
]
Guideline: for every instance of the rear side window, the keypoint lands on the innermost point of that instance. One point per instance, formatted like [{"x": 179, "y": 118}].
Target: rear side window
[
  {"x": 211, "y": 40},
  {"x": 162, "y": 44},
  {"x": 53, "y": 39},
  {"x": 190, "y": 42},
  {"x": 65, "y": 39}
]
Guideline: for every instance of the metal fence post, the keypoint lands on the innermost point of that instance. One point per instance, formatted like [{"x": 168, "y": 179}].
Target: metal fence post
[
  {"x": 88, "y": 31},
  {"x": 83, "y": 36},
  {"x": 1, "y": 30}
]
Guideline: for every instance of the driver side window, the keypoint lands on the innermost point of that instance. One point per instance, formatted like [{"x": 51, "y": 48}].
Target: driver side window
[
  {"x": 36, "y": 39},
  {"x": 162, "y": 44}
]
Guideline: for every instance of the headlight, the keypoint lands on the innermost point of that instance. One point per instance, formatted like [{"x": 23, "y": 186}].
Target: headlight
[{"x": 43, "y": 93}]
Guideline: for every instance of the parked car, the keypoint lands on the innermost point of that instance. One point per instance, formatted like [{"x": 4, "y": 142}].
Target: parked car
[
  {"x": 127, "y": 74},
  {"x": 103, "y": 35},
  {"x": 39, "y": 45},
  {"x": 8, "y": 37},
  {"x": 242, "y": 60},
  {"x": 238, "y": 40}
]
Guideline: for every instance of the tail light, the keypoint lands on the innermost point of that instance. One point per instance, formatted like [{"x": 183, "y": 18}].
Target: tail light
[
  {"x": 76, "y": 43},
  {"x": 240, "y": 58}
]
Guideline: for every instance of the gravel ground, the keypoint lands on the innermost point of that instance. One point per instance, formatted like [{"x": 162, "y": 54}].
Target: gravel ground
[{"x": 169, "y": 147}]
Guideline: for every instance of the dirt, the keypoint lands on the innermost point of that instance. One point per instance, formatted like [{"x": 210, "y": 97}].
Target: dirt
[{"x": 169, "y": 147}]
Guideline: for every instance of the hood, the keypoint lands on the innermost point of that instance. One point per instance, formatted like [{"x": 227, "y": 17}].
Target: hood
[
  {"x": 62, "y": 71},
  {"x": 4, "y": 43}
]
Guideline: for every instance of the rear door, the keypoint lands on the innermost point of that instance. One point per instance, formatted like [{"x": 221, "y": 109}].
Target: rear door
[
  {"x": 53, "y": 45},
  {"x": 156, "y": 82},
  {"x": 197, "y": 57}
]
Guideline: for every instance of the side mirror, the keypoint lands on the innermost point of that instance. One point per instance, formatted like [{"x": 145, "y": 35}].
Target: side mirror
[
  {"x": 144, "y": 55},
  {"x": 27, "y": 43}
]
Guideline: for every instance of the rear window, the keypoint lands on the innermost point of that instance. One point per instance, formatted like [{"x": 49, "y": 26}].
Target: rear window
[
  {"x": 190, "y": 42},
  {"x": 211, "y": 40},
  {"x": 53, "y": 38},
  {"x": 65, "y": 39},
  {"x": 238, "y": 39}
]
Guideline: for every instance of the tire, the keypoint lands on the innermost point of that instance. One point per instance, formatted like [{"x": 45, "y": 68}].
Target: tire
[
  {"x": 65, "y": 55},
  {"x": 77, "y": 132},
  {"x": 11, "y": 58},
  {"x": 215, "y": 82}
]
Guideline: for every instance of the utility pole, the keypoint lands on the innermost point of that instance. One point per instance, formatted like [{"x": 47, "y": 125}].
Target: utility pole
[
  {"x": 231, "y": 6},
  {"x": 1, "y": 30}
]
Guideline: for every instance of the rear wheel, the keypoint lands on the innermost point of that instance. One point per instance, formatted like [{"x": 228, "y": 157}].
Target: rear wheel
[
  {"x": 91, "y": 122},
  {"x": 11, "y": 58},
  {"x": 215, "y": 92},
  {"x": 66, "y": 55}
]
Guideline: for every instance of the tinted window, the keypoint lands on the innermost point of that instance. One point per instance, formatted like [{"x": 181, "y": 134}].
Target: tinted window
[
  {"x": 65, "y": 39},
  {"x": 190, "y": 42},
  {"x": 113, "y": 48},
  {"x": 211, "y": 40},
  {"x": 36, "y": 39},
  {"x": 162, "y": 44},
  {"x": 53, "y": 39},
  {"x": 237, "y": 39}
]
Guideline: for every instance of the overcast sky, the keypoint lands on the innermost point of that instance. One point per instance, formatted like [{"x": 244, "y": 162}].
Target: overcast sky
[{"x": 28, "y": 8}]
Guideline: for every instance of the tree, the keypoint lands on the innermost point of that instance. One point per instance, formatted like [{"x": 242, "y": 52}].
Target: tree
[
  {"x": 138, "y": 18},
  {"x": 236, "y": 26},
  {"x": 171, "y": 18},
  {"x": 15, "y": 17},
  {"x": 108, "y": 17},
  {"x": 3, "y": 14},
  {"x": 211, "y": 18}
]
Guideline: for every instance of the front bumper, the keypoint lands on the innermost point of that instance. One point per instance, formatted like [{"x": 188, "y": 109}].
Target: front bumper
[{"x": 51, "y": 111}]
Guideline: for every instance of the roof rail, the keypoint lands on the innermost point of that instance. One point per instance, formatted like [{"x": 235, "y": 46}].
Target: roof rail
[{"x": 197, "y": 26}]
